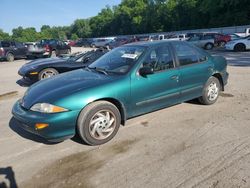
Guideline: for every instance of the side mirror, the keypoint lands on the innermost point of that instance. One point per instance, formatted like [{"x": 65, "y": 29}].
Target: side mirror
[
  {"x": 145, "y": 71},
  {"x": 86, "y": 60}
]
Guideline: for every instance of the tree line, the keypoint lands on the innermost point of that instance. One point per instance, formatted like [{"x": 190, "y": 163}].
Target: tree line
[{"x": 144, "y": 16}]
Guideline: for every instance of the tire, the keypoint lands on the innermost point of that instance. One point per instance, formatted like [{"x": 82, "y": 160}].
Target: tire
[
  {"x": 209, "y": 46},
  {"x": 53, "y": 53},
  {"x": 50, "y": 72},
  {"x": 89, "y": 128},
  {"x": 10, "y": 57},
  {"x": 210, "y": 91},
  {"x": 239, "y": 47}
]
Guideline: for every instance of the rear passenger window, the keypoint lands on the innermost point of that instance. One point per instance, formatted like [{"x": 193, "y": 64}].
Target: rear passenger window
[
  {"x": 159, "y": 59},
  {"x": 186, "y": 54}
]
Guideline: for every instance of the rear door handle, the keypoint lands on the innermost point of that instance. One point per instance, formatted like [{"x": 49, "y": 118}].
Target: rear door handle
[{"x": 210, "y": 69}]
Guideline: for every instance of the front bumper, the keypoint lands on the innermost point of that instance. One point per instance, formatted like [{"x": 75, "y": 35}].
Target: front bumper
[
  {"x": 229, "y": 47},
  {"x": 61, "y": 125},
  {"x": 28, "y": 77},
  {"x": 225, "y": 76}
]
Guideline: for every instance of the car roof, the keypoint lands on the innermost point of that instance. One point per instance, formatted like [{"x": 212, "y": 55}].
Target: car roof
[{"x": 153, "y": 43}]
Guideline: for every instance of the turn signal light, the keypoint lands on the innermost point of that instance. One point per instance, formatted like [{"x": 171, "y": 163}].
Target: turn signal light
[{"x": 40, "y": 126}]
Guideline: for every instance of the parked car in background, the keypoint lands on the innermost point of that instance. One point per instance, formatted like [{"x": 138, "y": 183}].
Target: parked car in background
[
  {"x": 85, "y": 42},
  {"x": 34, "y": 50},
  {"x": 245, "y": 34},
  {"x": 45, "y": 68},
  {"x": 69, "y": 42},
  {"x": 128, "y": 81},
  {"x": 234, "y": 36},
  {"x": 181, "y": 37},
  {"x": 143, "y": 38},
  {"x": 54, "y": 47},
  {"x": 101, "y": 43},
  {"x": 239, "y": 45},
  {"x": 121, "y": 41},
  {"x": 205, "y": 41},
  {"x": 221, "y": 39},
  {"x": 10, "y": 50}
]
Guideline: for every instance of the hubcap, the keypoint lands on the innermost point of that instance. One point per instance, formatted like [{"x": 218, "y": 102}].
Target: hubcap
[
  {"x": 213, "y": 91},
  {"x": 102, "y": 124},
  {"x": 48, "y": 74}
]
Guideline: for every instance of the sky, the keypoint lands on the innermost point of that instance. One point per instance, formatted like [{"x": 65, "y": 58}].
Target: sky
[{"x": 35, "y": 13}]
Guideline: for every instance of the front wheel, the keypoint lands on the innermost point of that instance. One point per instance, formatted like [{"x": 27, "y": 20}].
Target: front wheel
[
  {"x": 240, "y": 48},
  {"x": 209, "y": 46},
  {"x": 210, "y": 91},
  {"x": 47, "y": 73},
  {"x": 98, "y": 123},
  {"x": 10, "y": 57}
]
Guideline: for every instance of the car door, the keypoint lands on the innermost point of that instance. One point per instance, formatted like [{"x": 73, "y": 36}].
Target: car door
[
  {"x": 195, "y": 69},
  {"x": 157, "y": 90},
  {"x": 14, "y": 49}
]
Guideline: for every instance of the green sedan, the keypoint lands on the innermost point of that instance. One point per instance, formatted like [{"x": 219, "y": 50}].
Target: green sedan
[{"x": 128, "y": 81}]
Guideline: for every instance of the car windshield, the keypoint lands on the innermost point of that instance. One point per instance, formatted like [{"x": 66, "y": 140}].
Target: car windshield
[
  {"x": 75, "y": 56},
  {"x": 119, "y": 60}
]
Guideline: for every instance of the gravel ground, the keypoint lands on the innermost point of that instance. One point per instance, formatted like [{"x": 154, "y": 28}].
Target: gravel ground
[{"x": 187, "y": 145}]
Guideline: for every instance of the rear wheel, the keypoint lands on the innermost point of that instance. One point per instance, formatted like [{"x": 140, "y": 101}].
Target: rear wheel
[
  {"x": 98, "y": 122},
  {"x": 209, "y": 46},
  {"x": 47, "y": 73},
  {"x": 210, "y": 91},
  {"x": 239, "y": 47},
  {"x": 10, "y": 57}
]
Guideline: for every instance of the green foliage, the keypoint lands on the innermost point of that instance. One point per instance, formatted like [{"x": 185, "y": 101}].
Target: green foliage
[
  {"x": 3, "y": 35},
  {"x": 144, "y": 16}
]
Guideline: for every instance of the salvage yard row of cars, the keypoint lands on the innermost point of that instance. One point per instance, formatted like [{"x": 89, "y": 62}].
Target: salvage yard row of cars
[
  {"x": 10, "y": 50},
  {"x": 110, "y": 87}
]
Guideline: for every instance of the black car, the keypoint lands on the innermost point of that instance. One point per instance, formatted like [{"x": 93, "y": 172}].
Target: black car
[
  {"x": 54, "y": 47},
  {"x": 44, "y": 68},
  {"x": 10, "y": 50}
]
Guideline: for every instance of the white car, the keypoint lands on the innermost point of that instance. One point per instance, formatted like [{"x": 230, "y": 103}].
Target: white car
[
  {"x": 178, "y": 37},
  {"x": 239, "y": 44}
]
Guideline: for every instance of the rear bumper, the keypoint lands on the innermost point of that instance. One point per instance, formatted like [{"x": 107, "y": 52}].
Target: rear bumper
[{"x": 61, "y": 125}]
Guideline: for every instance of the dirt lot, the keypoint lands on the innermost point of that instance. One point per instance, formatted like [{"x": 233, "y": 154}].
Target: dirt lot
[{"x": 187, "y": 145}]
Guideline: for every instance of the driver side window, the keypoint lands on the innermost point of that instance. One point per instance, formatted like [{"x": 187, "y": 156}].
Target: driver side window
[{"x": 159, "y": 59}]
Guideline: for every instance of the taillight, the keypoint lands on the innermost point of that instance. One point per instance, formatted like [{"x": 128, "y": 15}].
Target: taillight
[{"x": 1, "y": 51}]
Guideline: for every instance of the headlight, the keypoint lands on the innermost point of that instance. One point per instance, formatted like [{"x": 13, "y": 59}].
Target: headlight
[{"x": 47, "y": 108}]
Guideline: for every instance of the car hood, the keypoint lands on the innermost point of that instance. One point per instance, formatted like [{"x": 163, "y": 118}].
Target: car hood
[
  {"x": 57, "y": 87},
  {"x": 38, "y": 62}
]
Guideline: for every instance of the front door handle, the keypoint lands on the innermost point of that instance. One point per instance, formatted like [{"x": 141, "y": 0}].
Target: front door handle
[{"x": 174, "y": 77}]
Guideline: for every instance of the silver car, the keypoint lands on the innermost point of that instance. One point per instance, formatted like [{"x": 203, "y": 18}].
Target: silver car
[
  {"x": 101, "y": 43},
  {"x": 205, "y": 41}
]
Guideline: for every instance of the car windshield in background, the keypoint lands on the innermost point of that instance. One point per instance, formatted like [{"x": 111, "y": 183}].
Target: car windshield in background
[{"x": 119, "y": 60}]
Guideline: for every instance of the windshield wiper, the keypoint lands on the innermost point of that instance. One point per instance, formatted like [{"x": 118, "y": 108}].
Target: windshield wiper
[{"x": 97, "y": 69}]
